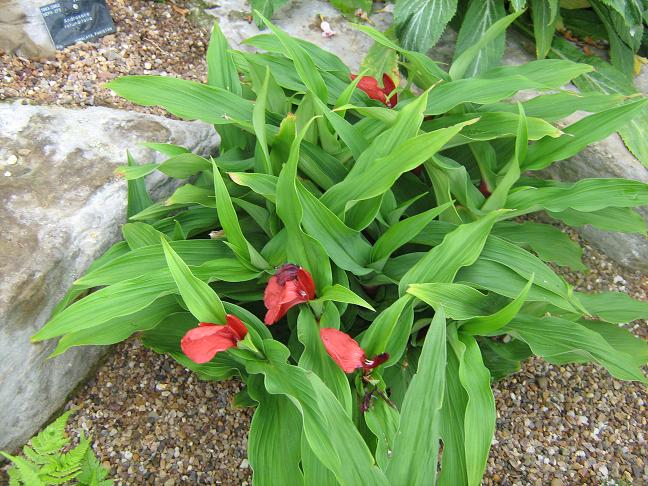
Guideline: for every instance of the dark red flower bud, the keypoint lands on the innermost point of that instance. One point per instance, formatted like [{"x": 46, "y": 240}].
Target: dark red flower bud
[
  {"x": 483, "y": 188},
  {"x": 289, "y": 286}
]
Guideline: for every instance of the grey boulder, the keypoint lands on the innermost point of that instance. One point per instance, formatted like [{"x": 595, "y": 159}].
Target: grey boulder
[{"x": 61, "y": 206}]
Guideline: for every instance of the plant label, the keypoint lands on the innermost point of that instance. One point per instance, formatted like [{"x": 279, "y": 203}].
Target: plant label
[{"x": 71, "y": 21}]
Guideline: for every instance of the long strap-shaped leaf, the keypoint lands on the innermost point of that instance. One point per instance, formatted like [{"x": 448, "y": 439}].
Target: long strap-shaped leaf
[{"x": 416, "y": 445}]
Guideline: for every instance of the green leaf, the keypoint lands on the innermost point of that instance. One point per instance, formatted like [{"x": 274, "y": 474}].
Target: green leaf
[
  {"x": 402, "y": 232},
  {"x": 479, "y": 17},
  {"x": 274, "y": 438},
  {"x": 185, "y": 99},
  {"x": 222, "y": 73},
  {"x": 121, "y": 299},
  {"x": 148, "y": 259},
  {"x": 544, "y": 13},
  {"x": 560, "y": 341},
  {"x": 339, "y": 293},
  {"x": 345, "y": 246},
  {"x": 382, "y": 419},
  {"x": 266, "y": 7},
  {"x": 129, "y": 172},
  {"x": 138, "y": 196},
  {"x": 416, "y": 445},
  {"x": 199, "y": 297},
  {"x": 420, "y": 23},
  {"x": 625, "y": 220},
  {"x": 228, "y": 218},
  {"x": 621, "y": 340},
  {"x": 510, "y": 173},
  {"x": 304, "y": 64},
  {"x": 459, "y": 248},
  {"x": 480, "y": 415},
  {"x": 581, "y": 134},
  {"x": 263, "y": 184},
  {"x": 139, "y": 235},
  {"x": 494, "y": 34},
  {"x": 185, "y": 165},
  {"x": 502, "y": 82},
  {"x": 548, "y": 242},
  {"x": 360, "y": 185},
  {"x": 585, "y": 195},
  {"x": 259, "y": 121},
  {"x": 616, "y": 307},
  {"x": 168, "y": 149},
  {"x": 382, "y": 334},
  {"x": 453, "y": 459},
  {"x": 120, "y": 328},
  {"x": 485, "y": 325}
]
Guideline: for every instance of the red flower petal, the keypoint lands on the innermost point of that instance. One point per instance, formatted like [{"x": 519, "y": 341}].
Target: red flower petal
[
  {"x": 343, "y": 349},
  {"x": 390, "y": 86},
  {"x": 201, "y": 344},
  {"x": 291, "y": 285},
  {"x": 370, "y": 86},
  {"x": 237, "y": 326},
  {"x": 306, "y": 281}
]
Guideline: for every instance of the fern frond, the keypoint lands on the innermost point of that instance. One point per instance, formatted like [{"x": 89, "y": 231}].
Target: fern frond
[
  {"x": 53, "y": 437},
  {"x": 27, "y": 472}
]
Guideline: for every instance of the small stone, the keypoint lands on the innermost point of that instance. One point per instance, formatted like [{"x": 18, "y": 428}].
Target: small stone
[
  {"x": 556, "y": 482},
  {"x": 244, "y": 464},
  {"x": 24, "y": 151},
  {"x": 542, "y": 382},
  {"x": 147, "y": 65},
  {"x": 11, "y": 160}
]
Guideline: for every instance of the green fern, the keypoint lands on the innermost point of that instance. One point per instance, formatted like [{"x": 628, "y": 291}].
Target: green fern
[{"x": 45, "y": 463}]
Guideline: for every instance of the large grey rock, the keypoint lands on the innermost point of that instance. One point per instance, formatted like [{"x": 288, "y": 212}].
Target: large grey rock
[
  {"x": 61, "y": 207},
  {"x": 22, "y": 29}
]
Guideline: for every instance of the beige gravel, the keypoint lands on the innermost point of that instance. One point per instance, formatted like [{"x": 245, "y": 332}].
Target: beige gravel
[
  {"x": 151, "y": 38},
  {"x": 155, "y": 423}
]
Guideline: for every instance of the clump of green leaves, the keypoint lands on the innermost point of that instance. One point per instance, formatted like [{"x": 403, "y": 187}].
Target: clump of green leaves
[
  {"x": 578, "y": 30},
  {"x": 406, "y": 283},
  {"x": 45, "y": 463}
]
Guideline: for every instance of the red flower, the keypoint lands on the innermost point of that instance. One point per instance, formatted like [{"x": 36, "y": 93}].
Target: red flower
[
  {"x": 347, "y": 353},
  {"x": 202, "y": 343},
  {"x": 289, "y": 286},
  {"x": 370, "y": 86}
]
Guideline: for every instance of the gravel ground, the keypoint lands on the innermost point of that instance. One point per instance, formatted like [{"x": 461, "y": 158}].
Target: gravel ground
[
  {"x": 151, "y": 38},
  {"x": 154, "y": 423}
]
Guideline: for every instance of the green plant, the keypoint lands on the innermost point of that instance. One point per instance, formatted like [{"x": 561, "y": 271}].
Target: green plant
[
  {"x": 586, "y": 27},
  {"x": 376, "y": 230},
  {"x": 46, "y": 463}
]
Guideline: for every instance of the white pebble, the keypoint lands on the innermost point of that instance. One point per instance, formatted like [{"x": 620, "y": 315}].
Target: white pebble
[{"x": 619, "y": 279}]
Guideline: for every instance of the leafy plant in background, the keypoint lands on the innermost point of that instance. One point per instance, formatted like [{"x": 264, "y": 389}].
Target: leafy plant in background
[
  {"x": 586, "y": 27},
  {"x": 45, "y": 462},
  {"x": 378, "y": 235}
]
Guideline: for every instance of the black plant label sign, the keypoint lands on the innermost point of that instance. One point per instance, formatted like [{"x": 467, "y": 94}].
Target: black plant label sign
[{"x": 71, "y": 21}]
